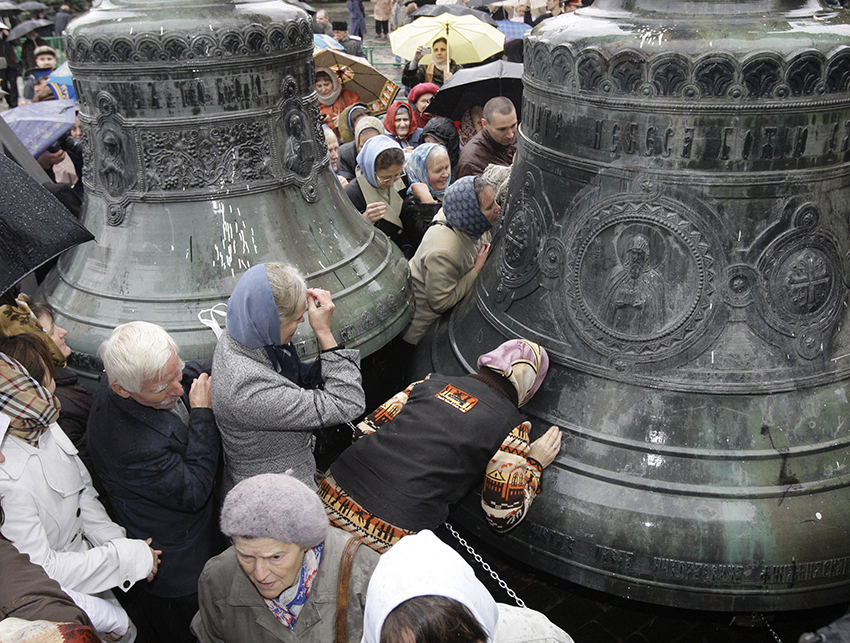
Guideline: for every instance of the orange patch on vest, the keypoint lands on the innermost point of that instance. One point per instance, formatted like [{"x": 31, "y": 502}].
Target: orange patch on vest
[{"x": 460, "y": 400}]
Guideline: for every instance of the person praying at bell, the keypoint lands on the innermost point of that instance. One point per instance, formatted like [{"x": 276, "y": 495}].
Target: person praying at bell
[{"x": 425, "y": 448}]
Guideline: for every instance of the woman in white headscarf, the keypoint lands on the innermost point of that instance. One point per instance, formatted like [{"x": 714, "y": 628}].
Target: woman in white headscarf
[
  {"x": 333, "y": 99},
  {"x": 422, "y": 587}
]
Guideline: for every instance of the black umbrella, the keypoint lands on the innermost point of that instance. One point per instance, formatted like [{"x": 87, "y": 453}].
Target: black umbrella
[
  {"x": 26, "y": 26},
  {"x": 34, "y": 226},
  {"x": 455, "y": 10},
  {"x": 475, "y": 86},
  {"x": 9, "y": 7},
  {"x": 32, "y": 5}
]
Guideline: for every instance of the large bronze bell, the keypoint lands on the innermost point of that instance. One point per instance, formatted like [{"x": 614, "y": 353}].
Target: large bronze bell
[
  {"x": 676, "y": 236},
  {"x": 205, "y": 157}
]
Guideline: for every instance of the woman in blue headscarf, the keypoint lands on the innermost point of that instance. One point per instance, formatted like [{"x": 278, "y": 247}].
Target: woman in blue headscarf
[
  {"x": 452, "y": 252},
  {"x": 430, "y": 173},
  {"x": 378, "y": 187},
  {"x": 266, "y": 401}
]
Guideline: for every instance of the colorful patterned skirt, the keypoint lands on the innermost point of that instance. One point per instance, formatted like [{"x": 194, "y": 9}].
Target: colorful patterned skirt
[{"x": 345, "y": 513}]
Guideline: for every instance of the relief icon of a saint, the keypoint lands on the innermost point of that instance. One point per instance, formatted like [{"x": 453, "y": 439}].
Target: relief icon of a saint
[{"x": 633, "y": 301}]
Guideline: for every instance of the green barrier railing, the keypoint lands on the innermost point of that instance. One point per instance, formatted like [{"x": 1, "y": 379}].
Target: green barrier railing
[{"x": 369, "y": 51}]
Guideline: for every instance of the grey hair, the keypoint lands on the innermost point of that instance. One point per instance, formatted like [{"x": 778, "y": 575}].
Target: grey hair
[
  {"x": 136, "y": 353},
  {"x": 479, "y": 185},
  {"x": 288, "y": 289},
  {"x": 435, "y": 154}
]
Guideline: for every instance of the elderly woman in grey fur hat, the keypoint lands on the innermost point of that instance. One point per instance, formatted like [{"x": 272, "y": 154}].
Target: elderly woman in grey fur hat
[{"x": 279, "y": 579}]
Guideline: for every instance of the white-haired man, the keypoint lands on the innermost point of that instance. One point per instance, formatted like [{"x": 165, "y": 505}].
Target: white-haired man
[{"x": 154, "y": 442}]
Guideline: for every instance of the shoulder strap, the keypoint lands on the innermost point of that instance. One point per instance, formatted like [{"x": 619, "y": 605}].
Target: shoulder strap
[{"x": 343, "y": 581}]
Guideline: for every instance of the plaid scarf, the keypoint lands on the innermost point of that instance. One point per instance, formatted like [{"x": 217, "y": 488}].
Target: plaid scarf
[
  {"x": 31, "y": 407},
  {"x": 287, "y": 606}
]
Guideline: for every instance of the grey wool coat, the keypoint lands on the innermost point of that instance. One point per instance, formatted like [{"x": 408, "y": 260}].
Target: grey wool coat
[
  {"x": 232, "y": 610},
  {"x": 266, "y": 420}
]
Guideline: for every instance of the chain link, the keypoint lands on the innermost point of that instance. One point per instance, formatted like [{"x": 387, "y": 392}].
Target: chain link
[
  {"x": 489, "y": 569},
  {"x": 767, "y": 625}
]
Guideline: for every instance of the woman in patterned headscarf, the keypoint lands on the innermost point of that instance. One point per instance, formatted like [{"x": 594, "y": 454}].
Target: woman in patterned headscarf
[
  {"x": 430, "y": 172},
  {"x": 427, "y": 446},
  {"x": 452, "y": 252}
]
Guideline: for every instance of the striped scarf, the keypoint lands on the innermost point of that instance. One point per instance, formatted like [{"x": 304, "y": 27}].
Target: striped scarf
[{"x": 31, "y": 407}]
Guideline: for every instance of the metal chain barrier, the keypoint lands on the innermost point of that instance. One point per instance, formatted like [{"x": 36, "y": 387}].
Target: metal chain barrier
[
  {"x": 768, "y": 626},
  {"x": 487, "y": 567}
]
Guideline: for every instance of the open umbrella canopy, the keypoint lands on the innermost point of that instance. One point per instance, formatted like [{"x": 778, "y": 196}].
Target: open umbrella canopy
[
  {"x": 324, "y": 41},
  {"x": 477, "y": 85},
  {"x": 40, "y": 125},
  {"x": 8, "y": 8},
  {"x": 34, "y": 225},
  {"x": 303, "y": 5},
  {"x": 21, "y": 30},
  {"x": 512, "y": 29},
  {"x": 469, "y": 39},
  {"x": 357, "y": 75},
  {"x": 32, "y": 5},
  {"x": 455, "y": 10},
  {"x": 61, "y": 82}
]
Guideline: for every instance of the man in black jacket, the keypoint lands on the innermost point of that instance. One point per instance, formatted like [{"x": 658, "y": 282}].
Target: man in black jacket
[{"x": 154, "y": 442}]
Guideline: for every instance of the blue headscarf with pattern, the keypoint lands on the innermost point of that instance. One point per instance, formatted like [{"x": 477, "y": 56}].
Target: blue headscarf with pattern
[
  {"x": 419, "y": 167},
  {"x": 369, "y": 153},
  {"x": 460, "y": 205}
]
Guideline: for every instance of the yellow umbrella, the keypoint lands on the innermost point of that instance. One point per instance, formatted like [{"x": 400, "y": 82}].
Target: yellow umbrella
[{"x": 469, "y": 39}]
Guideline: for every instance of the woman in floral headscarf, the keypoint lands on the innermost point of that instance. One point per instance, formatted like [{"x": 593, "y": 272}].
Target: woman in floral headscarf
[
  {"x": 452, "y": 252},
  {"x": 430, "y": 172},
  {"x": 422, "y": 450}
]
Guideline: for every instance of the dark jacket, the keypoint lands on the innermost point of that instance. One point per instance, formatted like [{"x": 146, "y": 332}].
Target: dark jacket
[
  {"x": 416, "y": 217},
  {"x": 60, "y": 21},
  {"x": 347, "y": 160},
  {"x": 480, "y": 152},
  {"x": 76, "y": 405},
  {"x": 158, "y": 475},
  {"x": 415, "y": 466},
  {"x": 27, "y": 592},
  {"x": 444, "y": 131}
]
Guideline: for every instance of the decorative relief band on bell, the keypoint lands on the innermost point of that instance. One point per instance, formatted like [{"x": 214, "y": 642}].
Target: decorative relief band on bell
[
  {"x": 194, "y": 159},
  {"x": 761, "y": 76},
  {"x": 202, "y": 46}
]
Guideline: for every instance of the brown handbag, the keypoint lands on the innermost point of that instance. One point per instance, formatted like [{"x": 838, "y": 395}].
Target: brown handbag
[{"x": 343, "y": 581}]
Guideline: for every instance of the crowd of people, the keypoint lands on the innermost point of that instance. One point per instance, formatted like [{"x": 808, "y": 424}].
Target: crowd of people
[{"x": 204, "y": 510}]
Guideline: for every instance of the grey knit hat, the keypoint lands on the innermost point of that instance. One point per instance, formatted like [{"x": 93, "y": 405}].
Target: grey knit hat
[{"x": 275, "y": 505}]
